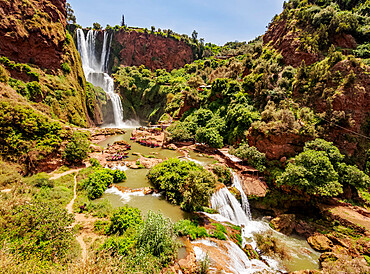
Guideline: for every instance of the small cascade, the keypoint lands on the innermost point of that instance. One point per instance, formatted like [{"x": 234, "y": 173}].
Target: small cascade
[
  {"x": 245, "y": 204},
  {"x": 95, "y": 69},
  {"x": 229, "y": 207}
]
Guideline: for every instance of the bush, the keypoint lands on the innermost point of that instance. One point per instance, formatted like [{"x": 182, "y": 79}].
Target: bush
[
  {"x": 4, "y": 75},
  {"x": 223, "y": 174},
  {"x": 124, "y": 218},
  {"x": 251, "y": 155},
  {"x": 78, "y": 148},
  {"x": 66, "y": 68},
  {"x": 184, "y": 183},
  {"x": 156, "y": 237},
  {"x": 40, "y": 180},
  {"x": 190, "y": 229},
  {"x": 34, "y": 91},
  {"x": 209, "y": 136},
  {"x": 313, "y": 173},
  {"x": 8, "y": 174}
]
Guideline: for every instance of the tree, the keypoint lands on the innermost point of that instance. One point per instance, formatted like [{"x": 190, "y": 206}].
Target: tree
[
  {"x": 351, "y": 175},
  {"x": 99, "y": 181},
  {"x": 184, "y": 183},
  {"x": 97, "y": 26},
  {"x": 123, "y": 21},
  {"x": 331, "y": 151},
  {"x": 209, "y": 136},
  {"x": 78, "y": 148},
  {"x": 153, "y": 29},
  {"x": 71, "y": 18},
  {"x": 194, "y": 35},
  {"x": 313, "y": 173}
]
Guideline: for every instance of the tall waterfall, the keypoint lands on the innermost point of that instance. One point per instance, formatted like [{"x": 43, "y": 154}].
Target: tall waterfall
[{"x": 95, "y": 69}]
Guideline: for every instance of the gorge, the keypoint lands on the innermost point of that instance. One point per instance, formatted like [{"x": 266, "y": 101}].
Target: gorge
[{"x": 147, "y": 151}]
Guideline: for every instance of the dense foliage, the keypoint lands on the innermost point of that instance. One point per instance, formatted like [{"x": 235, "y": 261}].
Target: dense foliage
[
  {"x": 251, "y": 155},
  {"x": 184, "y": 183},
  {"x": 38, "y": 231},
  {"x": 319, "y": 170},
  {"x": 100, "y": 179},
  {"x": 77, "y": 148}
]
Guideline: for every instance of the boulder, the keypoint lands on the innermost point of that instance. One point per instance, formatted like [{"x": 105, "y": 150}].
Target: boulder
[
  {"x": 320, "y": 243},
  {"x": 284, "y": 223},
  {"x": 328, "y": 257}
]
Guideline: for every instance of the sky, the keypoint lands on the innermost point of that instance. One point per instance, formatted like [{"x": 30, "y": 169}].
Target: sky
[{"x": 217, "y": 21}]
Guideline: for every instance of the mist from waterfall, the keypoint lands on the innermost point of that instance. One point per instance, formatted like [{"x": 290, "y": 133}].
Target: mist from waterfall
[{"x": 95, "y": 70}]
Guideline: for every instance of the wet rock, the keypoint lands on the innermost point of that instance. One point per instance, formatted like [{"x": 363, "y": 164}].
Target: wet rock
[
  {"x": 284, "y": 223},
  {"x": 147, "y": 190},
  {"x": 320, "y": 243},
  {"x": 328, "y": 257}
]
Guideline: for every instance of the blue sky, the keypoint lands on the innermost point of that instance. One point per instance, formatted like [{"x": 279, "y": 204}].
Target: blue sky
[{"x": 217, "y": 21}]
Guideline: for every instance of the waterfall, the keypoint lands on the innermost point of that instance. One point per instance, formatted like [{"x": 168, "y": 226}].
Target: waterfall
[
  {"x": 229, "y": 207},
  {"x": 96, "y": 69},
  {"x": 245, "y": 204}
]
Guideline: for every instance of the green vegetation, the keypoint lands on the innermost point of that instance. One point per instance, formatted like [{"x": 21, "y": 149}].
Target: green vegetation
[
  {"x": 223, "y": 174},
  {"x": 100, "y": 179},
  {"x": 124, "y": 218},
  {"x": 184, "y": 183},
  {"x": 77, "y": 148},
  {"x": 190, "y": 229},
  {"x": 251, "y": 155},
  {"x": 319, "y": 170}
]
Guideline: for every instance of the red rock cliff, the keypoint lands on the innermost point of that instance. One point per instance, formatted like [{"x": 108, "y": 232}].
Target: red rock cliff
[
  {"x": 33, "y": 31},
  {"x": 153, "y": 51}
]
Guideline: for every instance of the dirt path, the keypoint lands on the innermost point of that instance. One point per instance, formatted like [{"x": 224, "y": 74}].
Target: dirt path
[
  {"x": 86, "y": 223},
  {"x": 55, "y": 176}
]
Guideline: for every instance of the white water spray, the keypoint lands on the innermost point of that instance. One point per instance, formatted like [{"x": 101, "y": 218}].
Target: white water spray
[
  {"x": 245, "y": 204},
  {"x": 96, "y": 70}
]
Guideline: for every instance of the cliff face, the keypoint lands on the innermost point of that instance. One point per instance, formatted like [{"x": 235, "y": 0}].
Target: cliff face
[
  {"x": 330, "y": 81},
  {"x": 33, "y": 32},
  {"x": 132, "y": 48},
  {"x": 36, "y": 48}
]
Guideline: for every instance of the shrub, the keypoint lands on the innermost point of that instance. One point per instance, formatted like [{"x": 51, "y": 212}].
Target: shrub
[
  {"x": 39, "y": 231},
  {"x": 313, "y": 173},
  {"x": 8, "y": 174},
  {"x": 209, "y": 136},
  {"x": 251, "y": 155},
  {"x": 66, "y": 68},
  {"x": 34, "y": 91},
  {"x": 190, "y": 229},
  {"x": 78, "y": 148},
  {"x": 223, "y": 174},
  {"x": 124, "y": 218},
  {"x": 156, "y": 237},
  {"x": 4, "y": 75}
]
